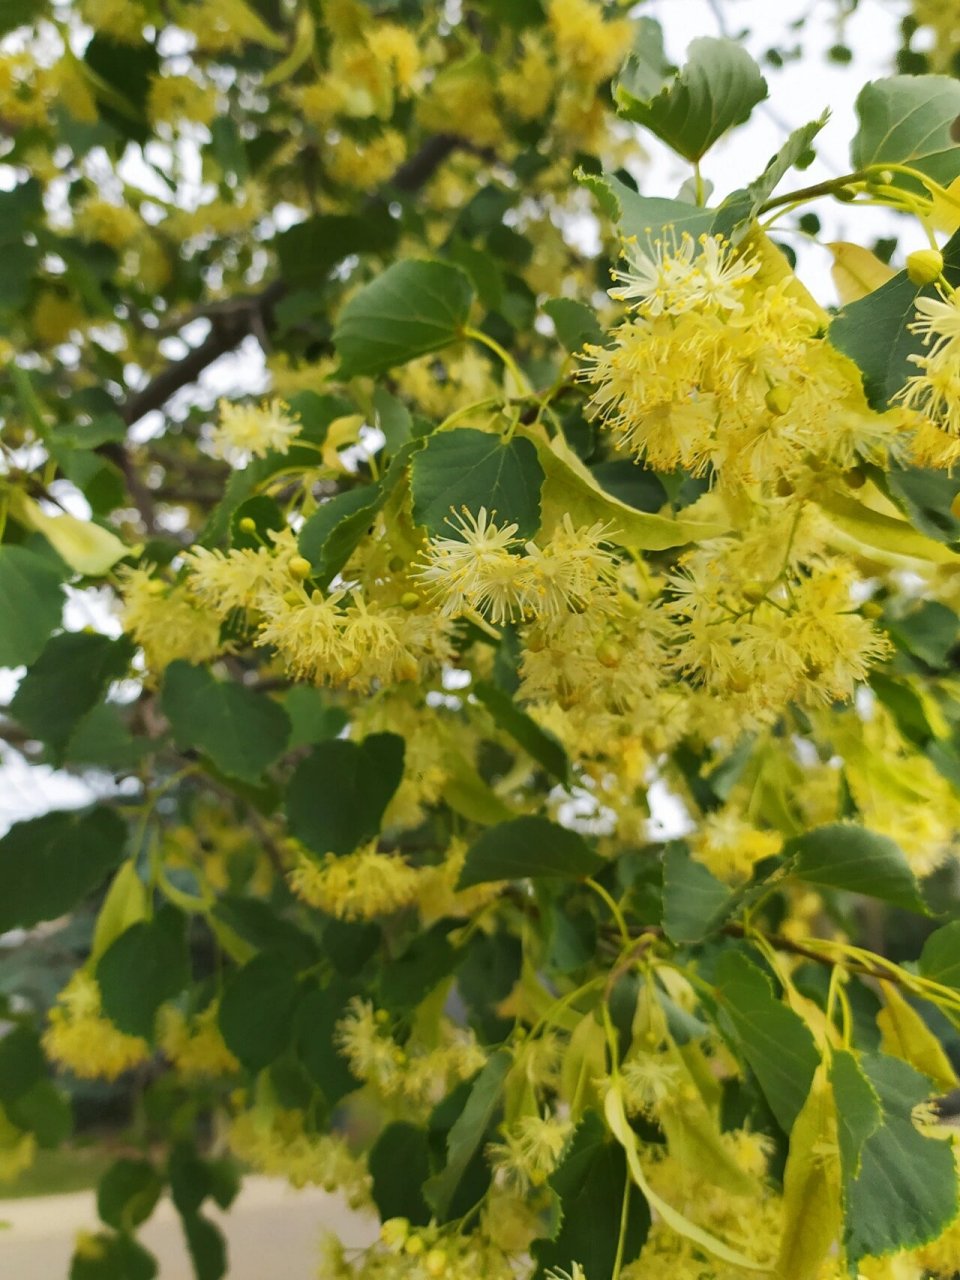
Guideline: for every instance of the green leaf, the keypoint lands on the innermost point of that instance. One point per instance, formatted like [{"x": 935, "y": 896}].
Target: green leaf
[
  {"x": 774, "y": 1040},
  {"x": 335, "y": 529},
  {"x": 312, "y": 717},
  {"x": 128, "y": 1194},
  {"x": 717, "y": 88},
  {"x": 146, "y": 965},
  {"x": 410, "y": 309},
  {"x": 393, "y": 419},
  {"x": 909, "y": 120},
  {"x": 317, "y": 1016},
  {"x": 102, "y": 738},
  {"x": 590, "y": 1183},
  {"x": 695, "y": 902},
  {"x": 309, "y": 250},
  {"x": 43, "y": 1111},
  {"x": 399, "y": 1163},
  {"x": 17, "y": 13},
  {"x": 741, "y": 207},
  {"x": 468, "y": 1131},
  {"x": 859, "y": 1113},
  {"x": 410, "y": 977},
  {"x": 905, "y": 1193},
  {"x": 874, "y": 332},
  {"x": 338, "y": 794},
  {"x": 528, "y": 848},
  {"x": 257, "y": 1010},
  {"x": 48, "y": 864},
  {"x": 940, "y": 957},
  {"x": 925, "y": 497},
  {"x": 207, "y": 1246},
  {"x": 31, "y": 601},
  {"x": 112, "y": 1257},
  {"x": 68, "y": 679},
  {"x": 575, "y": 323},
  {"x": 21, "y": 1062},
  {"x": 843, "y": 856},
  {"x": 537, "y": 742},
  {"x": 474, "y": 469},
  {"x": 240, "y": 730},
  {"x": 645, "y": 217}
]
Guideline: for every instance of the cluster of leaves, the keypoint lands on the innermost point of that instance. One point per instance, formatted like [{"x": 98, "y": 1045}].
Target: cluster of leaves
[{"x": 709, "y": 1048}]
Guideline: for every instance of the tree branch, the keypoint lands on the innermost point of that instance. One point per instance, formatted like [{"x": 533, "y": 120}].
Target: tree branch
[{"x": 233, "y": 320}]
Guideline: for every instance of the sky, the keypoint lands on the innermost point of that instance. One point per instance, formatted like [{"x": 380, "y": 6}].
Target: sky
[{"x": 799, "y": 91}]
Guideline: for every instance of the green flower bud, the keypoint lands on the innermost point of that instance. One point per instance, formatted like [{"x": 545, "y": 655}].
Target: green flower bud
[
  {"x": 924, "y": 266},
  {"x": 300, "y": 567},
  {"x": 247, "y": 525}
]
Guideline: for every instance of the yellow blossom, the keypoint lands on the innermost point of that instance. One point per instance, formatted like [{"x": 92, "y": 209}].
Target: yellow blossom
[
  {"x": 79, "y": 1038},
  {"x": 530, "y": 1150},
  {"x": 355, "y": 886},
  {"x": 194, "y": 1045},
  {"x": 352, "y": 163},
  {"x": 173, "y": 98},
  {"x": 112, "y": 224},
  {"x": 253, "y": 430},
  {"x": 588, "y": 46},
  {"x": 279, "y": 1143},
  {"x": 165, "y": 620}
]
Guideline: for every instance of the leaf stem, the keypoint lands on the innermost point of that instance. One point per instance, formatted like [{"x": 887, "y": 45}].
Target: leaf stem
[
  {"x": 520, "y": 381},
  {"x": 801, "y": 196},
  {"x": 614, "y": 909}
]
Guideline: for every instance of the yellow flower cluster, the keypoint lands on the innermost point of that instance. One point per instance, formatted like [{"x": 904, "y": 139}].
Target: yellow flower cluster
[
  {"x": 79, "y": 1038},
  {"x": 165, "y": 620},
  {"x": 356, "y": 886},
  {"x": 418, "y": 1073},
  {"x": 246, "y": 430},
  {"x": 418, "y": 1253},
  {"x": 943, "y": 17},
  {"x": 478, "y": 571},
  {"x": 122, "y": 20},
  {"x": 721, "y": 366},
  {"x": 278, "y": 1142},
  {"x": 731, "y": 846},
  {"x": 174, "y": 98},
  {"x": 530, "y": 1151},
  {"x": 112, "y": 224},
  {"x": 934, "y": 392},
  {"x": 352, "y": 163},
  {"x": 194, "y": 1045}
]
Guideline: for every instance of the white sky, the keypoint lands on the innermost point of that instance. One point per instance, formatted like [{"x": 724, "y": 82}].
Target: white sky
[{"x": 799, "y": 91}]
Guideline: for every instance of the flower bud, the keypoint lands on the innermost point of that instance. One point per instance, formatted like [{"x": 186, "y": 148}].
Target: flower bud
[
  {"x": 394, "y": 1233},
  {"x": 609, "y": 654},
  {"x": 871, "y": 609},
  {"x": 778, "y": 399},
  {"x": 924, "y": 266},
  {"x": 300, "y": 567},
  {"x": 754, "y": 592},
  {"x": 247, "y": 525},
  {"x": 410, "y": 600},
  {"x": 435, "y": 1263},
  {"x": 855, "y": 477}
]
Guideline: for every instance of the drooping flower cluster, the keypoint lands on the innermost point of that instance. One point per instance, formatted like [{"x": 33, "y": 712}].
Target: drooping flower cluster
[
  {"x": 247, "y": 429},
  {"x": 279, "y": 1142},
  {"x": 934, "y": 392},
  {"x": 722, "y": 366},
  {"x": 418, "y": 1073},
  {"x": 479, "y": 570},
  {"x": 80, "y": 1037},
  {"x": 356, "y": 886}
]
